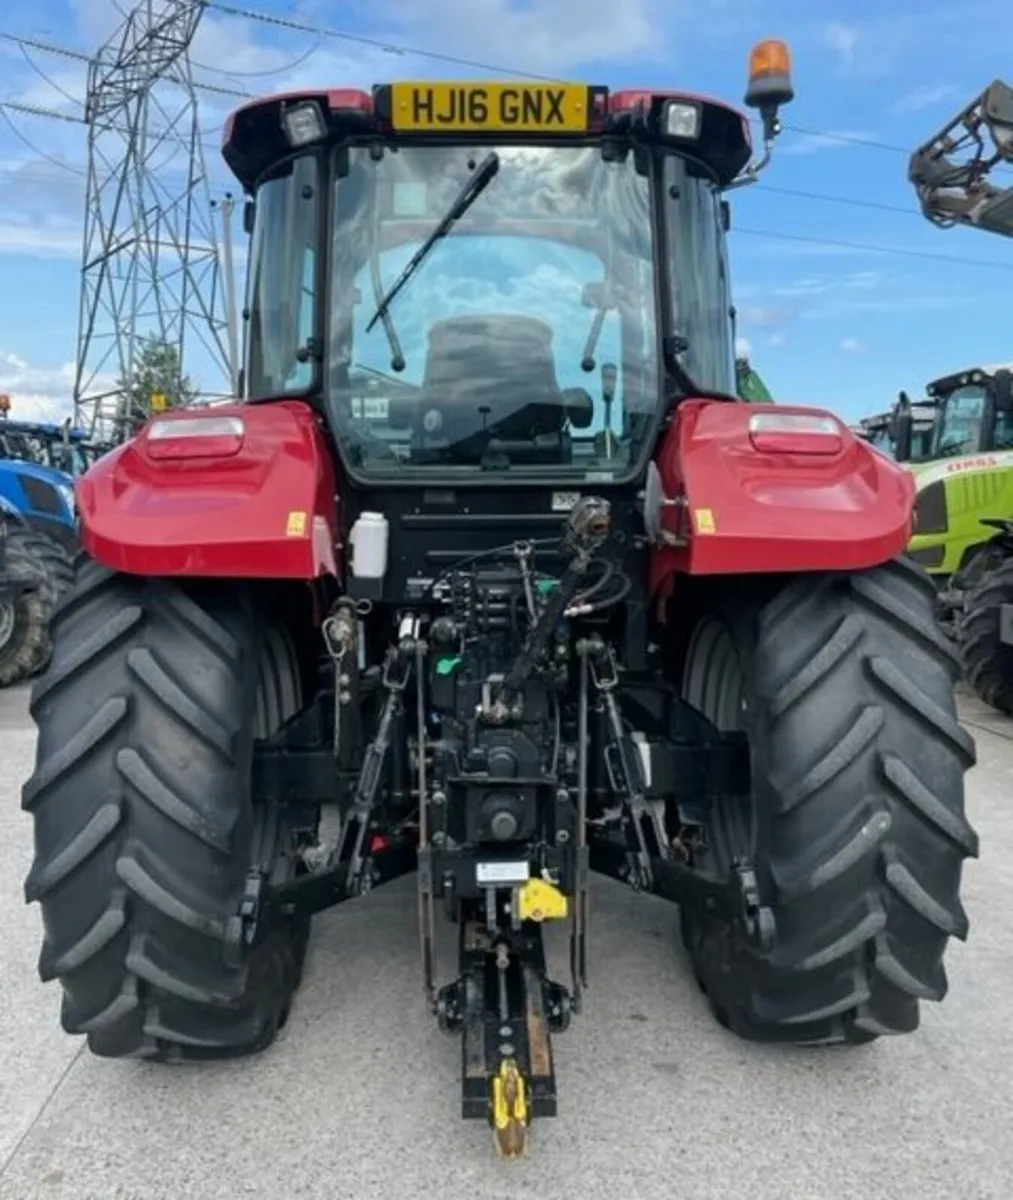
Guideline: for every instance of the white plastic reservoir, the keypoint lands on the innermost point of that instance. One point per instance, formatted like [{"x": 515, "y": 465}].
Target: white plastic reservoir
[{"x": 368, "y": 540}]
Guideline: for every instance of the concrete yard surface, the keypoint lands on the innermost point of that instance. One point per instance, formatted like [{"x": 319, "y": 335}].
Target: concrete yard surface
[{"x": 358, "y": 1099}]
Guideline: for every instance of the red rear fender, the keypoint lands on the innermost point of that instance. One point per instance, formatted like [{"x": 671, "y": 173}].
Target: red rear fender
[
  {"x": 748, "y": 510},
  {"x": 260, "y": 504}
]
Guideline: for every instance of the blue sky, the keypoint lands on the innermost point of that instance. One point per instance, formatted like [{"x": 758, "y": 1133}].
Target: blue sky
[{"x": 836, "y": 325}]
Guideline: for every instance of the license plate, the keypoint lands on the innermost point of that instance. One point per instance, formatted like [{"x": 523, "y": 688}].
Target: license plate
[
  {"x": 503, "y": 874},
  {"x": 489, "y": 108}
]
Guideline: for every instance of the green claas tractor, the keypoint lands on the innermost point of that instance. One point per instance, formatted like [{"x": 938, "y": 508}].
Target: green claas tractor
[
  {"x": 959, "y": 446},
  {"x": 964, "y": 527},
  {"x": 489, "y": 576}
]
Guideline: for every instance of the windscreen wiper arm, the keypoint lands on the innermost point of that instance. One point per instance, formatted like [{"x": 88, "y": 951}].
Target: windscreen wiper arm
[{"x": 475, "y": 185}]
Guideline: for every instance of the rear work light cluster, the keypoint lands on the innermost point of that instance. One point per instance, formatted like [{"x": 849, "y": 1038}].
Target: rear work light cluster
[
  {"x": 195, "y": 437},
  {"x": 795, "y": 433}
]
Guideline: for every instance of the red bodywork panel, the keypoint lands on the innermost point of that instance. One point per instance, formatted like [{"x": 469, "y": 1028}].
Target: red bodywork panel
[
  {"x": 746, "y": 511},
  {"x": 267, "y": 511}
]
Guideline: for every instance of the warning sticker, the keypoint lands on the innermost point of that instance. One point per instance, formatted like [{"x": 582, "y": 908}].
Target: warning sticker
[
  {"x": 703, "y": 520},
  {"x": 295, "y": 526}
]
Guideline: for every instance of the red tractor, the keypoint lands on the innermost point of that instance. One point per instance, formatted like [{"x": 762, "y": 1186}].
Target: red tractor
[{"x": 491, "y": 577}]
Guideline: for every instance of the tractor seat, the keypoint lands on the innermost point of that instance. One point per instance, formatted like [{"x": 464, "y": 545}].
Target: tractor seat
[{"x": 495, "y": 373}]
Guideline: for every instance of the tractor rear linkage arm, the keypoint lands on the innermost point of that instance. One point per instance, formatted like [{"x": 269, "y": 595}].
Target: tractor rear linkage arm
[{"x": 506, "y": 1014}]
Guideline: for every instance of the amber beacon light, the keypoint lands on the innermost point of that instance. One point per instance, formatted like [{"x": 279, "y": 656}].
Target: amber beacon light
[
  {"x": 769, "y": 85},
  {"x": 769, "y": 75}
]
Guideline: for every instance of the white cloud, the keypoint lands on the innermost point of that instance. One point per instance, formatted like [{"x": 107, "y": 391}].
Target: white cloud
[
  {"x": 822, "y": 285},
  {"x": 39, "y": 242},
  {"x": 37, "y": 392},
  {"x": 763, "y": 316},
  {"x": 842, "y": 39},
  {"x": 852, "y": 345},
  {"x": 743, "y": 347},
  {"x": 540, "y": 36},
  {"x": 920, "y": 98}
]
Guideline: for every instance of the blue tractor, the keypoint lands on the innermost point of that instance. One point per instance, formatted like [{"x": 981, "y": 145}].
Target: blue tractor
[
  {"x": 37, "y": 543},
  {"x": 60, "y": 446}
]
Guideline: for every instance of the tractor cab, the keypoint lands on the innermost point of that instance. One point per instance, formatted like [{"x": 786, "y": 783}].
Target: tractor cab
[
  {"x": 58, "y": 446},
  {"x": 971, "y": 413},
  {"x": 491, "y": 283},
  {"x": 974, "y": 412}
]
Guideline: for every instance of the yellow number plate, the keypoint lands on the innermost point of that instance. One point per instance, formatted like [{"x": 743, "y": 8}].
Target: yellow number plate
[{"x": 489, "y": 108}]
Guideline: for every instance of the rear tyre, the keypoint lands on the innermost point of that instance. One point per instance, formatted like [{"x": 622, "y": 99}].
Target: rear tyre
[
  {"x": 24, "y": 620},
  {"x": 856, "y": 825},
  {"x": 988, "y": 663},
  {"x": 144, "y": 826}
]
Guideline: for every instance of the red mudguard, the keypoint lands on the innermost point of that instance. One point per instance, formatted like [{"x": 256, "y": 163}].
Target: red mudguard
[
  {"x": 265, "y": 511},
  {"x": 740, "y": 510}
]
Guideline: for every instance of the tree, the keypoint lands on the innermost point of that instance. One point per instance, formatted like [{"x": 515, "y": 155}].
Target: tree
[{"x": 157, "y": 381}]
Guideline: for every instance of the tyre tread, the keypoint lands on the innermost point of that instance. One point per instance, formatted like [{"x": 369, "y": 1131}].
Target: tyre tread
[
  {"x": 143, "y": 824},
  {"x": 865, "y": 893}
]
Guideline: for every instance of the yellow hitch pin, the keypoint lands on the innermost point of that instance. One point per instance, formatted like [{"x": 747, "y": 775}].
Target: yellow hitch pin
[{"x": 510, "y": 1116}]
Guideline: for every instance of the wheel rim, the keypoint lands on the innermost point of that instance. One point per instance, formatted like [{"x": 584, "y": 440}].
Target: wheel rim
[{"x": 7, "y": 621}]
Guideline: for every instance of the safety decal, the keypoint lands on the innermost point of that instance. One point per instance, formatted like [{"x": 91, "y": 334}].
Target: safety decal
[{"x": 703, "y": 520}]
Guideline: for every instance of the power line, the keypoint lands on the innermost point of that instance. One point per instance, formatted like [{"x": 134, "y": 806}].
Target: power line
[
  {"x": 845, "y": 139},
  {"x": 45, "y": 47},
  {"x": 291, "y": 66},
  {"x": 849, "y": 201},
  {"x": 30, "y": 145},
  {"x": 47, "y": 79},
  {"x": 360, "y": 40},
  {"x": 320, "y": 33},
  {"x": 402, "y": 50},
  {"x": 82, "y": 57},
  {"x": 869, "y": 248}
]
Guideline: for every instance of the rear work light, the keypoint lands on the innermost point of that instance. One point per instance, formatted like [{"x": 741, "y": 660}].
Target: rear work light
[
  {"x": 195, "y": 437},
  {"x": 303, "y": 123},
  {"x": 795, "y": 433},
  {"x": 682, "y": 120}
]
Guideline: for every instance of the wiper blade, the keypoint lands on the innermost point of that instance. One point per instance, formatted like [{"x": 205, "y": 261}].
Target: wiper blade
[{"x": 474, "y": 186}]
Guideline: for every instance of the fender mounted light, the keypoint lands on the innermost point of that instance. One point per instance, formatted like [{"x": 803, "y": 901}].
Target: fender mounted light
[
  {"x": 195, "y": 437},
  {"x": 795, "y": 433}
]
